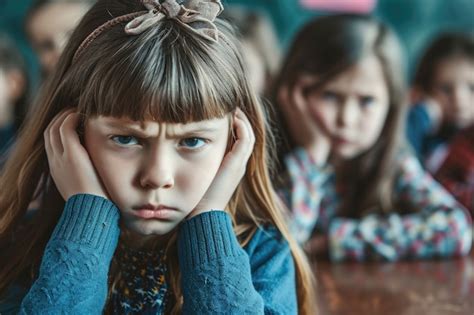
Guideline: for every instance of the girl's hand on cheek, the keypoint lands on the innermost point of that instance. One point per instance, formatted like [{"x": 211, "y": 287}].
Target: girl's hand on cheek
[
  {"x": 432, "y": 105},
  {"x": 231, "y": 170},
  {"x": 302, "y": 123},
  {"x": 69, "y": 163}
]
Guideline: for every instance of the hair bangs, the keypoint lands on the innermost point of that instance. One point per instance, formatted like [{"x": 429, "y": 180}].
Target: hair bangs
[{"x": 156, "y": 76}]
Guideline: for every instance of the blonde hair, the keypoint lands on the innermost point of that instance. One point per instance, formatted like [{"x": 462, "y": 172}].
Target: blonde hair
[{"x": 191, "y": 79}]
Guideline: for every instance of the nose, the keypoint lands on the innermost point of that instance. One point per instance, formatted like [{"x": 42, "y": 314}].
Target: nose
[
  {"x": 157, "y": 171},
  {"x": 347, "y": 113}
]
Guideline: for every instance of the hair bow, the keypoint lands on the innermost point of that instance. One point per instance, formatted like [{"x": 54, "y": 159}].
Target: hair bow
[{"x": 197, "y": 15}]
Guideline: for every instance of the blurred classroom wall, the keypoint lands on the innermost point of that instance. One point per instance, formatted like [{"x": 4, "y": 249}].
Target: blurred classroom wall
[{"x": 416, "y": 21}]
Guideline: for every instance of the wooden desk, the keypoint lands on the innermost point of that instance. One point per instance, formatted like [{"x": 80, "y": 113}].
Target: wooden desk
[{"x": 441, "y": 287}]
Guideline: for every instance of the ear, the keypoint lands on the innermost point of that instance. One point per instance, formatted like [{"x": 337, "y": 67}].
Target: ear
[{"x": 16, "y": 85}]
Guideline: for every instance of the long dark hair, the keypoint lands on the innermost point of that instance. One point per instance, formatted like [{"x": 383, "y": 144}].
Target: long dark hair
[
  {"x": 445, "y": 46},
  {"x": 327, "y": 47}
]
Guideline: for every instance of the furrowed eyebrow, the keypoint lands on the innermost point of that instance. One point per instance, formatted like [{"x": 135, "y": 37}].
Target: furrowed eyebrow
[
  {"x": 136, "y": 129},
  {"x": 123, "y": 127},
  {"x": 196, "y": 132},
  {"x": 199, "y": 130}
]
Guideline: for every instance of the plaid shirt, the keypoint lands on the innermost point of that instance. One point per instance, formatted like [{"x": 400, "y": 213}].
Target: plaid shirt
[
  {"x": 441, "y": 227},
  {"x": 457, "y": 171}
]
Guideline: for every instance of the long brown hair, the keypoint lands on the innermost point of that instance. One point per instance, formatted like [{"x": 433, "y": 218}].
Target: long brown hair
[
  {"x": 168, "y": 73},
  {"x": 443, "y": 47},
  {"x": 327, "y": 47}
]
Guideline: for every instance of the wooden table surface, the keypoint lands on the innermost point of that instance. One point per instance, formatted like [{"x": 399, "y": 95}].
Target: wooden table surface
[{"x": 441, "y": 287}]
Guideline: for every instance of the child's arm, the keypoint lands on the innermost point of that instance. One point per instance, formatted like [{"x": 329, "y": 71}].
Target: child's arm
[
  {"x": 219, "y": 277},
  {"x": 423, "y": 121},
  {"x": 305, "y": 164},
  {"x": 463, "y": 192},
  {"x": 304, "y": 192},
  {"x": 457, "y": 171},
  {"x": 75, "y": 265},
  {"x": 441, "y": 227}
]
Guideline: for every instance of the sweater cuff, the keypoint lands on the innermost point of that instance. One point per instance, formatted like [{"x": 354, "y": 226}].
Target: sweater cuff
[
  {"x": 206, "y": 237},
  {"x": 89, "y": 220},
  {"x": 300, "y": 164}
]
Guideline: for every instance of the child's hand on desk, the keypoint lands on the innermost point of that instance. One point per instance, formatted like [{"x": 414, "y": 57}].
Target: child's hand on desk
[
  {"x": 69, "y": 163},
  {"x": 232, "y": 169}
]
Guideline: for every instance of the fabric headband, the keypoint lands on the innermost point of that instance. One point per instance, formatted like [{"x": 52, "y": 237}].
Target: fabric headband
[{"x": 196, "y": 15}]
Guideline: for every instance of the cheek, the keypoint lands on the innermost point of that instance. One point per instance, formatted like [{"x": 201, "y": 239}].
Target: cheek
[
  {"x": 194, "y": 178},
  {"x": 374, "y": 124},
  {"x": 324, "y": 115},
  {"x": 106, "y": 164},
  {"x": 443, "y": 99}
]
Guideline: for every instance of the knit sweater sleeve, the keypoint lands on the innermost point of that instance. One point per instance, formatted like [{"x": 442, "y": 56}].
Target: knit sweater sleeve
[
  {"x": 73, "y": 273},
  {"x": 220, "y": 277},
  {"x": 419, "y": 127},
  {"x": 303, "y": 192},
  {"x": 440, "y": 228}
]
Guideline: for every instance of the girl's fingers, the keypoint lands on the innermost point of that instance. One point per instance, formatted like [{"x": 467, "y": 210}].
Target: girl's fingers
[
  {"x": 299, "y": 101},
  {"x": 238, "y": 148},
  {"x": 56, "y": 145},
  {"x": 67, "y": 130},
  {"x": 240, "y": 124},
  {"x": 248, "y": 124},
  {"x": 245, "y": 136}
]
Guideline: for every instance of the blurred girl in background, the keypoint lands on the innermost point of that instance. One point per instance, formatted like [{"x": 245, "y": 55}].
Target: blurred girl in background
[
  {"x": 13, "y": 92},
  {"x": 443, "y": 92},
  {"x": 355, "y": 190}
]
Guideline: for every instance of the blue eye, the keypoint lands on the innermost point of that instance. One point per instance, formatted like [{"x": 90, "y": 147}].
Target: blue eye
[
  {"x": 446, "y": 89},
  {"x": 366, "y": 101},
  {"x": 192, "y": 143},
  {"x": 125, "y": 140},
  {"x": 330, "y": 96}
]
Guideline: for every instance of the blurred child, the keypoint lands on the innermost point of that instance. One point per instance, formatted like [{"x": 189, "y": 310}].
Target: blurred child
[
  {"x": 260, "y": 46},
  {"x": 444, "y": 96},
  {"x": 49, "y": 24},
  {"x": 457, "y": 171},
  {"x": 149, "y": 152},
  {"x": 355, "y": 190},
  {"x": 13, "y": 91}
]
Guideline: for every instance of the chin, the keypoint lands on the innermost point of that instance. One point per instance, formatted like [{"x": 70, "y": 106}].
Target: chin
[
  {"x": 150, "y": 227},
  {"x": 347, "y": 154}
]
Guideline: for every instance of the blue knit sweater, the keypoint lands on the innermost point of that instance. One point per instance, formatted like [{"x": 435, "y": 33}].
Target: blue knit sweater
[
  {"x": 218, "y": 275},
  {"x": 421, "y": 134}
]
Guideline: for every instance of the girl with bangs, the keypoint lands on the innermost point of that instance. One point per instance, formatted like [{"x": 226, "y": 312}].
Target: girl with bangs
[
  {"x": 148, "y": 153},
  {"x": 356, "y": 191}
]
